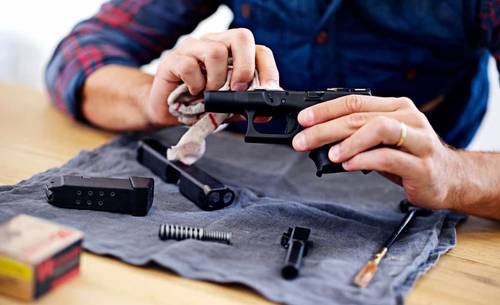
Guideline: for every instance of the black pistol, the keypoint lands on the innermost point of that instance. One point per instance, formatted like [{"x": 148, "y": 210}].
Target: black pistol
[
  {"x": 278, "y": 104},
  {"x": 296, "y": 241}
]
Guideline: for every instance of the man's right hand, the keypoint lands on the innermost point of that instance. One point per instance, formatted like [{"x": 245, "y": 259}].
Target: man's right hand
[
  {"x": 122, "y": 98},
  {"x": 184, "y": 64}
]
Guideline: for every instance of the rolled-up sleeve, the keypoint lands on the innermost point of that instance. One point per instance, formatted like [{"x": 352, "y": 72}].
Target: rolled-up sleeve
[{"x": 130, "y": 33}]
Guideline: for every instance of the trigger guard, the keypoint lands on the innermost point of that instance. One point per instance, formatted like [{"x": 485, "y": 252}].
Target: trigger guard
[
  {"x": 251, "y": 133},
  {"x": 254, "y": 136},
  {"x": 292, "y": 126}
]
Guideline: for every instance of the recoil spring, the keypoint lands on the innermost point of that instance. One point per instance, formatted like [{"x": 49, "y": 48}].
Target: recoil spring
[{"x": 177, "y": 232}]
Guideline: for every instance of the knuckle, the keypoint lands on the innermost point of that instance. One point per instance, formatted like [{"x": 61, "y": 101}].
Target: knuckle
[
  {"x": 421, "y": 118},
  {"x": 356, "y": 120},
  {"x": 243, "y": 34},
  {"x": 405, "y": 102},
  {"x": 217, "y": 53},
  {"x": 165, "y": 68},
  {"x": 264, "y": 50},
  {"x": 385, "y": 162},
  {"x": 169, "y": 57},
  {"x": 187, "y": 66},
  {"x": 354, "y": 103},
  {"x": 427, "y": 144},
  {"x": 381, "y": 126}
]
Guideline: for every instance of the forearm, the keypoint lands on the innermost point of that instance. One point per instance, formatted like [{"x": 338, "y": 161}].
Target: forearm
[
  {"x": 120, "y": 33},
  {"x": 477, "y": 191},
  {"x": 114, "y": 97}
]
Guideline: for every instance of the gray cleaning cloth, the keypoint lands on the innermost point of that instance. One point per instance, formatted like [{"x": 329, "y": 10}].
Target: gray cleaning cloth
[{"x": 350, "y": 216}]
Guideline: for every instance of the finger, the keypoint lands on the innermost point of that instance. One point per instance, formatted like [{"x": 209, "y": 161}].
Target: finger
[
  {"x": 266, "y": 65},
  {"x": 242, "y": 45},
  {"x": 379, "y": 131},
  {"x": 332, "y": 131},
  {"x": 213, "y": 54},
  {"x": 173, "y": 69},
  {"x": 164, "y": 82},
  {"x": 338, "y": 129},
  {"x": 386, "y": 160},
  {"x": 188, "y": 70},
  {"x": 345, "y": 105}
]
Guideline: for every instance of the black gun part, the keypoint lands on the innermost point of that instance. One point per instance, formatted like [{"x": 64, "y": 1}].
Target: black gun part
[
  {"x": 406, "y": 207},
  {"x": 296, "y": 241},
  {"x": 132, "y": 195},
  {"x": 278, "y": 104},
  {"x": 195, "y": 184}
]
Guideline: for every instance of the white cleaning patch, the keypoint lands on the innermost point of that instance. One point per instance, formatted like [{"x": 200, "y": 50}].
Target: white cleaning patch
[{"x": 190, "y": 110}]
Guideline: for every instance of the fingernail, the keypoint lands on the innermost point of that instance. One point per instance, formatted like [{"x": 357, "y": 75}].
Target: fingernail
[
  {"x": 306, "y": 116},
  {"x": 299, "y": 142},
  {"x": 239, "y": 87},
  {"x": 334, "y": 153}
]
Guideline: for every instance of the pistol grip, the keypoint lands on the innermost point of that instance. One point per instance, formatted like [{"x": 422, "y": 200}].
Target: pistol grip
[{"x": 323, "y": 164}]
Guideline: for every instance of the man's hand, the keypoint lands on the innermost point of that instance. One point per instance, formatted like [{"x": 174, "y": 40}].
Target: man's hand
[
  {"x": 429, "y": 171},
  {"x": 124, "y": 98},
  {"x": 194, "y": 58}
]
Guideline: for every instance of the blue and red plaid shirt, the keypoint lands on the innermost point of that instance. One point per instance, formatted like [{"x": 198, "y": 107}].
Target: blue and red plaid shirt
[{"x": 416, "y": 48}]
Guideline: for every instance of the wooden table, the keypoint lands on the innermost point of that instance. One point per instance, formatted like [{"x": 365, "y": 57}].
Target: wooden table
[{"x": 35, "y": 137}]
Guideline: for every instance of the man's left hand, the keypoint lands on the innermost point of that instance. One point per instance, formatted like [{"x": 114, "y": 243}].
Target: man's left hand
[{"x": 367, "y": 129}]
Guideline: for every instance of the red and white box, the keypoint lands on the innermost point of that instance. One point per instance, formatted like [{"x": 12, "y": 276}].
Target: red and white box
[{"x": 36, "y": 256}]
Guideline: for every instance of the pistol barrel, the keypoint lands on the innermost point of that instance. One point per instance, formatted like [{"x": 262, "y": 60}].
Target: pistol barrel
[
  {"x": 293, "y": 259},
  {"x": 295, "y": 241}
]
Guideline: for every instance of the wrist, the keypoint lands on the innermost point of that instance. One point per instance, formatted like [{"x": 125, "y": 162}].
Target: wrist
[
  {"x": 455, "y": 176},
  {"x": 470, "y": 188}
]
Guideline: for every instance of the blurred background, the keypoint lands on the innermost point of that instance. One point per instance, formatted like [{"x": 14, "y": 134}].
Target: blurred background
[{"x": 30, "y": 30}]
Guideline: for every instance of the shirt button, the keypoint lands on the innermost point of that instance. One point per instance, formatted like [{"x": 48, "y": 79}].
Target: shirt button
[
  {"x": 411, "y": 74},
  {"x": 322, "y": 37},
  {"x": 245, "y": 10}
]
